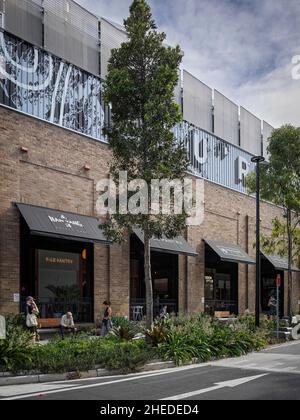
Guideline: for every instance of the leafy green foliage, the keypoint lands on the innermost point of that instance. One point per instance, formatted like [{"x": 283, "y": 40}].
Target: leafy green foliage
[
  {"x": 15, "y": 350},
  {"x": 142, "y": 76},
  {"x": 126, "y": 333},
  {"x": 157, "y": 334},
  {"x": 179, "y": 339},
  {"x": 280, "y": 184},
  {"x": 204, "y": 338}
]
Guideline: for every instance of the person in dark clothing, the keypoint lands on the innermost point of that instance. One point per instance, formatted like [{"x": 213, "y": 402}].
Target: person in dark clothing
[{"x": 106, "y": 320}]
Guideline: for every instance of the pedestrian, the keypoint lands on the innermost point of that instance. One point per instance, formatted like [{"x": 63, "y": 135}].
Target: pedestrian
[
  {"x": 272, "y": 304},
  {"x": 106, "y": 320},
  {"x": 163, "y": 314},
  {"x": 32, "y": 312},
  {"x": 67, "y": 325}
]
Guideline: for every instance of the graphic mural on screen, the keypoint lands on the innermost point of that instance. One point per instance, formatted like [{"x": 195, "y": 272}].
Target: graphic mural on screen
[{"x": 42, "y": 85}]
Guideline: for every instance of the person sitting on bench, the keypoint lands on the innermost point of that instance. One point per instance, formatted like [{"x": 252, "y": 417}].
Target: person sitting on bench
[{"x": 67, "y": 325}]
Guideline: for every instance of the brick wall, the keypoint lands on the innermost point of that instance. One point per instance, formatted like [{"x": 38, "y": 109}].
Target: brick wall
[{"x": 52, "y": 174}]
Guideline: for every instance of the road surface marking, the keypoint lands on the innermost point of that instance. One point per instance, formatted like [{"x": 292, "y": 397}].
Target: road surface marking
[
  {"x": 75, "y": 388},
  {"x": 228, "y": 384}
]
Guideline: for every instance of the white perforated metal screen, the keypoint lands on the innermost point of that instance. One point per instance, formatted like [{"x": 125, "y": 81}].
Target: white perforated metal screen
[
  {"x": 111, "y": 37},
  {"x": 24, "y": 19},
  {"x": 197, "y": 102},
  {"x": 72, "y": 33},
  {"x": 251, "y": 140},
  {"x": 226, "y": 118}
]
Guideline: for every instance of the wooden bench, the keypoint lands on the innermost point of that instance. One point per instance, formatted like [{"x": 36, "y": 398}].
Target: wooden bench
[
  {"x": 222, "y": 314},
  {"x": 49, "y": 323}
]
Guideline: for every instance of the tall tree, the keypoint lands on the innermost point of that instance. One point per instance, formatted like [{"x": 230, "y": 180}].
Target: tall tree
[
  {"x": 142, "y": 76},
  {"x": 280, "y": 184}
]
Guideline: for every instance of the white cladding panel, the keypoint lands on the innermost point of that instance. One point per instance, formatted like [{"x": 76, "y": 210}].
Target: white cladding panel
[
  {"x": 197, "y": 102},
  {"x": 267, "y": 132},
  {"x": 111, "y": 37},
  {"x": 250, "y": 132},
  {"x": 23, "y": 19},
  {"x": 72, "y": 33},
  {"x": 226, "y": 120}
]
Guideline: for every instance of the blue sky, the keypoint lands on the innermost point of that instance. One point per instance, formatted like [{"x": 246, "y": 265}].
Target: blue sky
[{"x": 243, "y": 48}]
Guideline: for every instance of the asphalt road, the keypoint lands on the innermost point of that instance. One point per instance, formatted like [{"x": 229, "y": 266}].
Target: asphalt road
[{"x": 270, "y": 375}]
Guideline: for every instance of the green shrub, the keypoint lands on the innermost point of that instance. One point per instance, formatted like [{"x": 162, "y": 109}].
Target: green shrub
[
  {"x": 120, "y": 321},
  {"x": 16, "y": 349},
  {"x": 126, "y": 333},
  {"x": 128, "y": 357},
  {"x": 157, "y": 334},
  {"x": 175, "y": 348}
]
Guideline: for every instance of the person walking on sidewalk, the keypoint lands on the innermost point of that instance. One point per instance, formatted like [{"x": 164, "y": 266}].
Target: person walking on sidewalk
[
  {"x": 106, "y": 320},
  {"x": 32, "y": 312}
]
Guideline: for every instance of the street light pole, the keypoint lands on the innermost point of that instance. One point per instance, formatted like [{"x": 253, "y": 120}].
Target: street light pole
[{"x": 257, "y": 160}]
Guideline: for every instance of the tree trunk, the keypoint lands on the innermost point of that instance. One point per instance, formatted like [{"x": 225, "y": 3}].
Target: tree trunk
[
  {"x": 290, "y": 253},
  {"x": 148, "y": 281}
]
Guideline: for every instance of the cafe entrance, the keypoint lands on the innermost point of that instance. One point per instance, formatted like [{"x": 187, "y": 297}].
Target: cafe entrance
[
  {"x": 164, "y": 263},
  {"x": 164, "y": 277},
  {"x": 59, "y": 274},
  {"x": 57, "y": 261},
  {"x": 221, "y": 276}
]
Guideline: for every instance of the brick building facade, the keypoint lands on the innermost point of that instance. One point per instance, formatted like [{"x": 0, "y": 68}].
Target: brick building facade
[
  {"x": 53, "y": 153},
  {"x": 43, "y": 165}
]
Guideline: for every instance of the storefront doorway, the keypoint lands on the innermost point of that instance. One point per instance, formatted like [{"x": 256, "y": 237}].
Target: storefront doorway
[
  {"x": 221, "y": 284},
  {"x": 164, "y": 276},
  {"x": 269, "y": 286},
  {"x": 59, "y": 274}
]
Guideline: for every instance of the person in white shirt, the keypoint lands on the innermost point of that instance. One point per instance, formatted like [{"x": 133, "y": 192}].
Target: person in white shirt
[{"x": 67, "y": 324}]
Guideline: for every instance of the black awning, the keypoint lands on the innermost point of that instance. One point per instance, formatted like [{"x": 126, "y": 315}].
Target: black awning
[
  {"x": 61, "y": 224},
  {"x": 170, "y": 246},
  {"x": 230, "y": 252},
  {"x": 279, "y": 263}
]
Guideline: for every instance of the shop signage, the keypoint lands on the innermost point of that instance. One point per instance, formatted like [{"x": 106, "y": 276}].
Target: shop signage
[
  {"x": 65, "y": 223},
  {"x": 213, "y": 158},
  {"x": 58, "y": 259},
  {"x": 55, "y": 260}
]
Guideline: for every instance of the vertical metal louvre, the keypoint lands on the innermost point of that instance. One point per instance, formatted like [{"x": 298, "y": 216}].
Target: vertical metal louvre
[
  {"x": 197, "y": 102},
  {"x": 226, "y": 118},
  {"x": 24, "y": 19},
  {"x": 251, "y": 135},
  {"x": 213, "y": 158},
  {"x": 71, "y": 32},
  {"x": 38, "y": 83},
  {"x": 112, "y": 36}
]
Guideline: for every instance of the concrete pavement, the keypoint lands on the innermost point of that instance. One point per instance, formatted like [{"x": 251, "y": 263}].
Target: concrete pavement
[{"x": 273, "y": 374}]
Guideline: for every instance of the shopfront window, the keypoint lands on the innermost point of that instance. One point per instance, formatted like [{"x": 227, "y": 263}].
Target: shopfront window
[
  {"x": 59, "y": 274},
  {"x": 269, "y": 287},
  {"x": 164, "y": 277}
]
